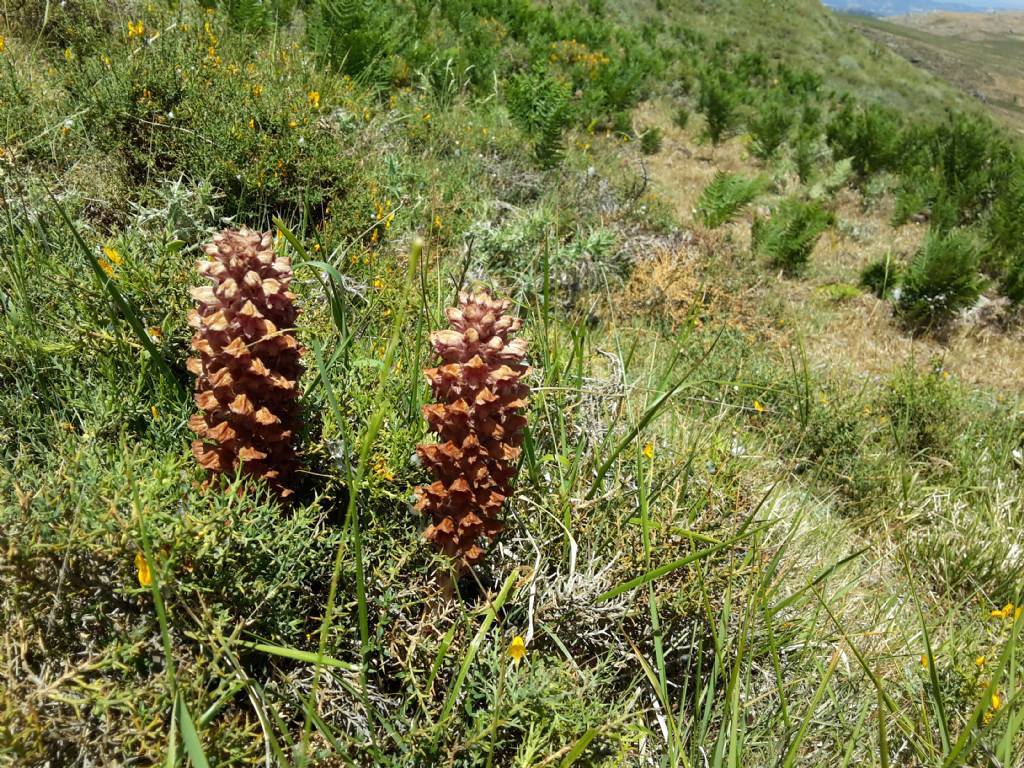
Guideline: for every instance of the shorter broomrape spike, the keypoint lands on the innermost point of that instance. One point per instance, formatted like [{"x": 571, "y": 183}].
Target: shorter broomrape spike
[
  {"x": 246, "y": 368},
  {"x": 480, "y": 394}
]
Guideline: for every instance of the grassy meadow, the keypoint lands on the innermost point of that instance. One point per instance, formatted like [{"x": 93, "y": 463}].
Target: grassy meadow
[{"x": 769, "y": 509}]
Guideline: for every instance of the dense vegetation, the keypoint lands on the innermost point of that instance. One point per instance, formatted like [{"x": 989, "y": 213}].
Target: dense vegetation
[{"x": 715, "y": 554}]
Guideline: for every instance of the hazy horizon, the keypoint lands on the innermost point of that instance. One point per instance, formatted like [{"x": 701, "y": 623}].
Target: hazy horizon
[{"x": 904, "y": 6}]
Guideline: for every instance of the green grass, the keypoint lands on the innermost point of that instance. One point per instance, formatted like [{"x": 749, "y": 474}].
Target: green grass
[{"x": 715, "y": 554}]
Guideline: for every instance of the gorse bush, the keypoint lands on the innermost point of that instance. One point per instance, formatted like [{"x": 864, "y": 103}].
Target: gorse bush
[
  {"x": 941, "y": 280},
  {"x": 790, "y": 234},
  {"x": 727, "y": 195}
]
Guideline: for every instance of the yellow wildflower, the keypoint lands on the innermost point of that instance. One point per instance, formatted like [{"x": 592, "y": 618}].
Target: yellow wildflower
[
  {"x": 380, "y": 468},
  {"x": 145, "y": 575},
  {"x": 378, "y": 284},
  {"x": 314, "y": 99},
  {"x": 257, "y": 90},
  {"x": 155, "y": 333},
  {"x": 758, "y": 407},
  {"x": 924, "y": 661},
  {"x": 252, "y": 124},
  {"x": 112, "y": 255},
  {"x": 437, "y": 222},
  {"x": 980, "y": 661},
  {"x": 649, "y": 450},
  {"x": 292, "y": 124},
  {"x": 1002, "y": 613},
  {"x": 136, "y": 29},
  {"x": 3, "y": 43},
  {"x": 517, "y": 650},
  {"x": 426, "y": 117},
  {"x": 69, "y": 55},
  {"x": 997, "y": 703},
  {"x": 153, "y": 411}
]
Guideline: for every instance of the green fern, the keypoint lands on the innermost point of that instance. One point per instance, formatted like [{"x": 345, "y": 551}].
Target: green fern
[
  {"x": 347, "y": 34},
  {"x": 539, "y": 105},
  {"x": 789, "y": 236},
  {"x": 941, "y": 280},
  {"x": 726, "y": 195}
]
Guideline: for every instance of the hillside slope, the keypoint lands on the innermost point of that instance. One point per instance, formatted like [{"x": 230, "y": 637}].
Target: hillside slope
[{"x": 980, "y": 54}]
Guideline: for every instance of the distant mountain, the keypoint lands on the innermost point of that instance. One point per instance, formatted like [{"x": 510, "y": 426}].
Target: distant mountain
[{"x": 903, "y": 7}]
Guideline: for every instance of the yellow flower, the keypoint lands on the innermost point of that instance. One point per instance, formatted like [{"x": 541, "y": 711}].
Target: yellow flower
[
  {"x": 378, "y": 284},
  {"x": 980, "y": 661},
  {"x": 649, "y": 450},
  {"x": 155, "y": 333},
  {"x": 292, "y": 124},
  {"x": 314, "y": 99},
  {"x": 257, "y": 90},
  {"x": 426, "y": 117},
  {"x": 145, "y": 575},
  {"x": 112, "y": 255},
  {"x": 252, "y": 124},
  {"x": 136, "y": 29},
  {"x": 1002, "y": 613},
  {"x": 107, "y": 267},
  {"x": 997, "y": 703},
  {"x": 437, "y": 222},
  {"x": 924, "y": 661},
  {"x": 69, "y": 55},
  {"x": 758, "y": 407},
  {"x": 517, "y": 650},
  {"x": 3, "y": 43},
  {"x": 380, "y": 468}
]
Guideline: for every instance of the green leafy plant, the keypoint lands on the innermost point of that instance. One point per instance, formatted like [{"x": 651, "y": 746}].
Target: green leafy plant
[
  {"x": 870, "y": 135},
  {"x": 941, "y": 280},
  {"x": 769, "y": 129},
  {"x": 681, "y": 118},
  {"x": 880, "y": 276},
  {"x": 790, "y": 234},
  {"x": 650, "y": 141},
  {"x": 539, "y": 105},
  {"x": 727, "y": 195},
  {"x": 718, "y": 101}
]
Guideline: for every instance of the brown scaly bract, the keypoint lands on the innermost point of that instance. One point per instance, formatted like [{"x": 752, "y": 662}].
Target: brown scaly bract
[
  {"x": 248, "y": 364},
  {"x": 480, "y": 392}
]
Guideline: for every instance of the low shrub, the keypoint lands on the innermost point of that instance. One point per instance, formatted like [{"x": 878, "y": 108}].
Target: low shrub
[
  {"x": 650, "y": 141},
  {"x": 727, "y": 195},
  {"x": 769, "y": 129},
  {"x": 789, "y": 236},
  {"x": 880, "y": 276},
  {"x": 941, "y": 280}
]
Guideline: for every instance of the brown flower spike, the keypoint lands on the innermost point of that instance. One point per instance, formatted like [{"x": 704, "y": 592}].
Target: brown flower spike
[
  {"x": 248, "y": 364},
  {"x": 480, "y": 394}
]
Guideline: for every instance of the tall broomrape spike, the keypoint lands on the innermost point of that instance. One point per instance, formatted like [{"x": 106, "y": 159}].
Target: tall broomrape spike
[
  {"x": 480, "y": 394},
  {"x": 248, "y": 364}
]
